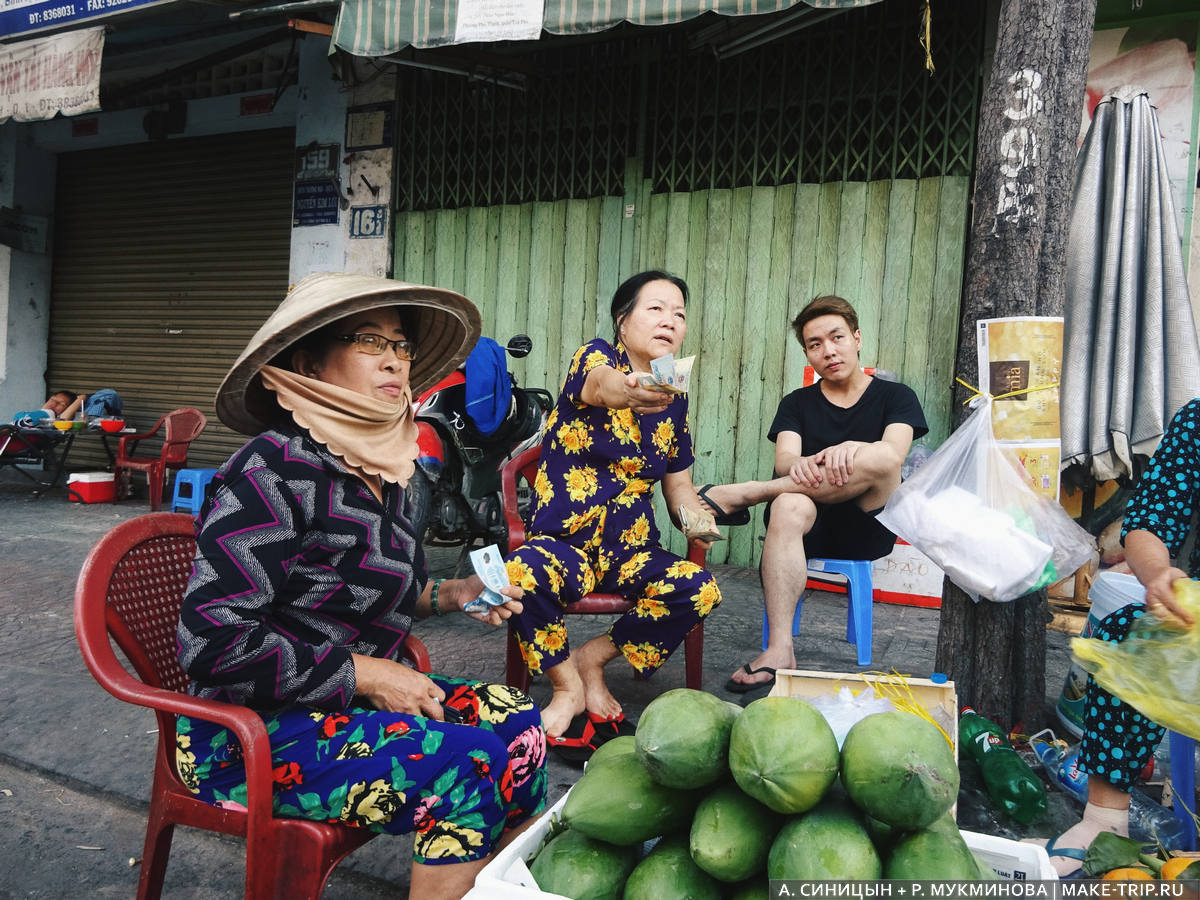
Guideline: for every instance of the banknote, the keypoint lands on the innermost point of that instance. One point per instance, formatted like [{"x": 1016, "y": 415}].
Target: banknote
[
  {"x": 668, "y": 374},
  {"x": 489, "y": 566},
  {"x": 697, "y": 523}
]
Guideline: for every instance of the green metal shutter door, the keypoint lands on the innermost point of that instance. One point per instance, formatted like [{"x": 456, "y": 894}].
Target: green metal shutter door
[{"x": 167, "y": 257}]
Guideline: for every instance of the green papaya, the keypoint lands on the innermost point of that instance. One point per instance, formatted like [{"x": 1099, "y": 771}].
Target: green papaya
[
  {"x": 620, "y": 803},
  {"x": 937, "y": 852},
  {"x": 610, "y": 750},
  {"x": 732, "y": 834},
  {"x": 581, "y": 867},
  {"x": 829, "y": 842},
  {"x": 669, "y": 871},
  {"x": 783, "y": 753},
  {"x": 897, "y": 767},
  {"x": 683, "y": 738}
]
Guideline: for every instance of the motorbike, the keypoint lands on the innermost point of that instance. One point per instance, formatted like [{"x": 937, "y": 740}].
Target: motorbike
[{"x": 457, "y": 482}]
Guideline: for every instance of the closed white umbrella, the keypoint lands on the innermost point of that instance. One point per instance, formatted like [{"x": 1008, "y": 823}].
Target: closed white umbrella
[{"x": 1131, "y": 357}]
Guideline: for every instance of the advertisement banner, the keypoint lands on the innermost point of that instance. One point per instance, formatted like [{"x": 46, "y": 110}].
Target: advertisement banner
[
  {"x": 1020, "y": 360},
  {"x": 29, "y": 16},
  {"x": 42, "y": 77}
]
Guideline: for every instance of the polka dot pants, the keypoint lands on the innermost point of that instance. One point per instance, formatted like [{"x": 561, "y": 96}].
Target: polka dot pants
[{"x": 1117, "y": 739}]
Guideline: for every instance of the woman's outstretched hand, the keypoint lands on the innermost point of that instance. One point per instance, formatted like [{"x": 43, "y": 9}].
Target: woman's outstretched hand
[
  {"x": 394, "y": 687},
  {"x": 458, "y": 592},
  {"x": 643, "y": 400}
]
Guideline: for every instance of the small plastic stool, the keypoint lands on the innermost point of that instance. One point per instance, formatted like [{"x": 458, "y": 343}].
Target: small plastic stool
[
  {"x": 1183, "y": 784},
  {"x": 860, "y": 595},
  {"x": 189, "y": 489}
]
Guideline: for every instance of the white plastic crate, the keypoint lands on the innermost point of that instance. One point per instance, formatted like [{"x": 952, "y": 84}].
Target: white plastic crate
[
  {"x": 1011, "y": 860},
  {"x": 507, "y": 876}
]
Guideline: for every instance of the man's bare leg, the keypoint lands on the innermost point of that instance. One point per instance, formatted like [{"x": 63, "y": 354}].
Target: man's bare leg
[
  {"x": 784, "y": 561},
  {"x": 876, "y": 475},
  {"x": 784, "y": 574}
]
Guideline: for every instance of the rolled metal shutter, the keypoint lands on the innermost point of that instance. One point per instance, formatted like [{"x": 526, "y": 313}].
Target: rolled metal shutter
[{"x": 167, "y": 258}]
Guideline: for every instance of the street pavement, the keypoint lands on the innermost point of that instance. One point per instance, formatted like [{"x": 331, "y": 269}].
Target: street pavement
[{"x": 75, "y": 763}]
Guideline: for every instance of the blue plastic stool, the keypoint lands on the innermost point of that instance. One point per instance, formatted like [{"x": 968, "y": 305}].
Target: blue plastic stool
[
  {"x": 1183, "y": 784},
  {"x": 189, "y": 489},
  {"x": 859, "y": 592}
]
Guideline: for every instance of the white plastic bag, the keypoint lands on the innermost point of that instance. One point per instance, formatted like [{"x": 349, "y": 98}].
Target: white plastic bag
[
  {"x": 970, "y": 511},
  {"x": 845, "y": 709}
]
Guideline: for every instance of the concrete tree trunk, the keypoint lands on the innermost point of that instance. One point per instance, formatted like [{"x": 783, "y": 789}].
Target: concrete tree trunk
[{"x": 1024, "y": 171}]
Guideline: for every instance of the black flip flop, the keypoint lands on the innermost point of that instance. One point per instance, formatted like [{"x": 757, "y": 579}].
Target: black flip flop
[
  {"x": 586, "y": 733},
  {"x": 742, "y": 687},
  {"x": 741, "y": 517}
]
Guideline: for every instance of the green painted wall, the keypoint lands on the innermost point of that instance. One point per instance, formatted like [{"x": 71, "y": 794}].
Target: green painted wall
[{"x": 752, "y": 257}]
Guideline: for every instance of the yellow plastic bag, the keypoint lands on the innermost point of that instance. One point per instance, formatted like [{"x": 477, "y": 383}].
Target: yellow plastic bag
[{"x": 1156, "y": 669}]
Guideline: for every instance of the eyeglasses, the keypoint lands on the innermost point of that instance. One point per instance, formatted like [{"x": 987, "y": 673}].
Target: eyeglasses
[{"x": 375, "y": 344}]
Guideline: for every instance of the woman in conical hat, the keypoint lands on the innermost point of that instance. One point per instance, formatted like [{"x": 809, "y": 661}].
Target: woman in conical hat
[{"x": 309, "y": 574}]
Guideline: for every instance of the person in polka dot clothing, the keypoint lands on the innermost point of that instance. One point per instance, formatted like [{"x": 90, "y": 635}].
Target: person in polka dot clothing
[{"x": 1118, "y": 740}]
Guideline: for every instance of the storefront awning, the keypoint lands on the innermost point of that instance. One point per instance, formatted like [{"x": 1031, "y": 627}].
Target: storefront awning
[{"x": 382, "y": 27}]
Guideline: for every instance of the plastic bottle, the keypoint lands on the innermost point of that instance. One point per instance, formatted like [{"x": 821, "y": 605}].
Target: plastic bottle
[
  {"x": 1011, "y": 784},
  {"x": 1152, "y": 822},
  {"x": 917, "y": 457},
  {"x": 1062, "y": 765}
]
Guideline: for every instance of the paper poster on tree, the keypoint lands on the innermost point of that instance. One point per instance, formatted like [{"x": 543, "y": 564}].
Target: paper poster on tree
[
  {"x": 1022, "y": 357},
  {"x": 1039, "y": 461}
]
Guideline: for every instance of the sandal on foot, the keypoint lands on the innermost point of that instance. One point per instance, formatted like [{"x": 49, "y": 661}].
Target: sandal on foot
[
  {"x": 745, "y": 687},
  {"x": 741, "y": 517},
  {"x": 1075, "y": 853},
  {"x": 607, "y": 729},
  {"x": 586, "y": 733}
]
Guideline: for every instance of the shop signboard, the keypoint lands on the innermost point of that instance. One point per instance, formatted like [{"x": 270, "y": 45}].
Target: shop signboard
[
  {"x": 315, "y": 203},
  {"x": 19, "y": 17},
  {"x": 42, "y": 77},
  {"x": 22, "y": 231}
]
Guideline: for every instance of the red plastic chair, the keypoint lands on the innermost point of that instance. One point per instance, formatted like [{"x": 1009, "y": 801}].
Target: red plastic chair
[
  {"x": 524, "y": 466},
  {"x": 130, "y": 591},
  {"x": 180, "y": 427}
]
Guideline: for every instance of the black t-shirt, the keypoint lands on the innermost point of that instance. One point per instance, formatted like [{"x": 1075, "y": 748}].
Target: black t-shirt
[{"x": 822, "y": 424}]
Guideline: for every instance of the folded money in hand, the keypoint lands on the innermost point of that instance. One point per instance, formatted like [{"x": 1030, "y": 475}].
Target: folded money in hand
[
  {"x": 668, "y": 374},
  {"x": 696, "y": 523},
  {"x": 489, "y": 566}
]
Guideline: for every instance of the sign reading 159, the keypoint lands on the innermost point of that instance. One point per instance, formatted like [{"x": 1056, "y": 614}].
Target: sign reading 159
[{"x": 317, "y": 161}]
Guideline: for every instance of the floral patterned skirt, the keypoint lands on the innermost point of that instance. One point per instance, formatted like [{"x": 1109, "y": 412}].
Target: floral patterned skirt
[{"x": 456, "y": 787}]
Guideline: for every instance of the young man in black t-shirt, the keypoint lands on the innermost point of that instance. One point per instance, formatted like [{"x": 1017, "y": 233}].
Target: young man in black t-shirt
[{"x": 839, "y": 446}]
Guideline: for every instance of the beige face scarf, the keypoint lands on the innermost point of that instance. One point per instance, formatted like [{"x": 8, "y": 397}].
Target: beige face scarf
[{"x": 370, "y": 436}]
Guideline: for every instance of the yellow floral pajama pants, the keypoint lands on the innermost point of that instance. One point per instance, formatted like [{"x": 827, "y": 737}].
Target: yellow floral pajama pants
[{"x": 670, "y": 595}]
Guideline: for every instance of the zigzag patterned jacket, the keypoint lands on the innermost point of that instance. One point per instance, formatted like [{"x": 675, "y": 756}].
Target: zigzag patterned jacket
[{"x": 297, "y": 566}]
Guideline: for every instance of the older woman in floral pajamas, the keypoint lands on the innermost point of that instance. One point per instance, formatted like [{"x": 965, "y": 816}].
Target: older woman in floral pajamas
[{"x": 607, "y": 443}]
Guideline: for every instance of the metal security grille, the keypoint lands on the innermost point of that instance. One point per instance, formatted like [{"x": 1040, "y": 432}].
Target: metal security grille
[
  {"x": 846, "y": 99},
  {"x": 476, "y": 143}
]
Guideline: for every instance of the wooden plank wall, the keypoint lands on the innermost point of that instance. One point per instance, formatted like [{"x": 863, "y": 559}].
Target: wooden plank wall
[{"x": 752, "y": 257}]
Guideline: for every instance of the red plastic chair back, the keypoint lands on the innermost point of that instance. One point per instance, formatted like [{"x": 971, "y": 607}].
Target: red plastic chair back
[
  {"x": 179, "y": 428},
  {"x": 523, "y": 467},
  {"x": 129, "y": 592}
]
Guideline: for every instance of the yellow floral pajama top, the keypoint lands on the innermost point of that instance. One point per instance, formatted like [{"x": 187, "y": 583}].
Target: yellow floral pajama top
[{"x": 591, "y": 526}]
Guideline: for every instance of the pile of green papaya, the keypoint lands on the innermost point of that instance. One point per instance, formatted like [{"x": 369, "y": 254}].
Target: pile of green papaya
[{"x": 734, "y": 797}]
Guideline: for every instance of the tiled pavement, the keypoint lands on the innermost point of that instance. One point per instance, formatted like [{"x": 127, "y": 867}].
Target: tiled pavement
[{"x": 75, "y": 762}]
